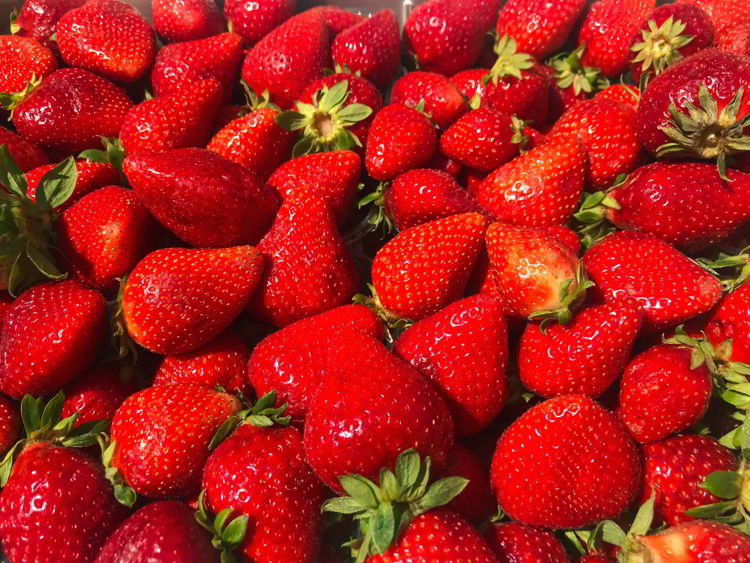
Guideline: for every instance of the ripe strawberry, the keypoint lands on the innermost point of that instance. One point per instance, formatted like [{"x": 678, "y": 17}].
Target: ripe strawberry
[
  {"x": 289, "y": 58},
  {"x": 24, "y": 60},
  {"x": 370, "y": 48},
  {"x": 423, "y": 269},
  {"x": 10, "y": 424},
  {"x": 90, "y": 176},
  {"x": 51, "y": 334},
  {"x": 108, "y": 37},
  {"x": 443, "y": 163},
  {"x": 736, "y": 40},
  {"x": 304, "y": 227},
  {"x": 570, "y": 82},
  {"x": 670, "y": 287},
  {"x": 79, "y": 108},
  {"x": 193, "y": 191},
  {"x": 552, "y": 24},
  {"x": 725, "y": 15},
  {"x": 731, "y": 320},
  {"x": 254, "y": 20},
  {"x": 584, "y": 357},
  {"x": 517, "y": 542},
  {"x": 38, "y": 19},
  {"x": 662, "y": 393},
  {"x": 475, "y": 503},
  {"x": 694, "y": 542},
  {"x": 182, "y": 118},
  {"x": 186, "y": 20},
  {"x": 26, "y": 155},
  {"x": 161, "y": 437},
  {"x": 442, "y": 100},
  {"x": 400, "y": 139},
  {"x": 566, "y": 463},
  {"x": 338, "y": 19},
  {"x": 98, "y": 394}
]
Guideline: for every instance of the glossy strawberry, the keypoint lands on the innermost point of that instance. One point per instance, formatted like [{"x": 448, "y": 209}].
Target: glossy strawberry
[
  {"x": 694, "y": 542},
  {"x": 725, "y": 15},
  {"x": 513, "y": 541},
  {"x": 338, "y": 19},
  {"x": 186, "y": 20},
  {"x": 731, "y": 319},
  {"x": 90, "y": 176},
  {"x": 475, "y": 503},
  {"x": 254, "y": 20},
  {"x": 98, "y": 393},
  {"x": 10, "y": 424},
  {"x": 623, "y": 93},
  {"x": 23, "y": 59},
  {"x": 442, "y": 100},
  {"x": 38, "y": 19},
  {"x": 26, "y": 155}
]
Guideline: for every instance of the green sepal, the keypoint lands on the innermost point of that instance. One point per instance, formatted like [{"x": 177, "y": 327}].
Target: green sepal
[
  {"x": 227, "y": 533},
  {"x": 660, "y": 44},
  {"x": 113, "y": 153},
  {"x": 263, "y": 413},
  {"x": 570, "y": 300},
  {"x": 509, "y": 62},
  {"x": 122, "y": 492},
  {"x": 11, "y": 100},
  {"x": 731, "y": 269},
  {"x": 394, "y": 325},
  {"x": 12, "y": 20},
  {"x": 254, "y": 101},
  {"x": 572, "y": 73}
]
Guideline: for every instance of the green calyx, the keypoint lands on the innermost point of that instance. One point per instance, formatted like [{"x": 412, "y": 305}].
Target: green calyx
[
  {"x": 263, "y": 413},
  {"x": 631, "y": 547},
  {"x": 520, "y": 138},
  {"x": 344, "y": 69},
  {"x": 571, "y": 73},
  {"x": 705, "y": 132},
  {"x": 592, "y": 216},
  {"x": 254, "y": 102},
  {"x": 42, "y": 423},
  {"x": 394, "y": 325},
  {"x": 228, "y": 533},
  {"x": 123, "y": 493},
  {"x": 376, "y": 218},
  {"x": 13, "y": 17},
  {"x": 113, "y": 153},
  {"x": 384, "y": 512},
  {"x": 731, "y": 269},
  {"x": 572, "y": 294},
  {"x": 122, "y": 345},
  {"x": 325, "y": 123},
  {"x": 509, "y": 62},
  {"x": 11, "y": 100},
  {"x": 660, "y": 45}
]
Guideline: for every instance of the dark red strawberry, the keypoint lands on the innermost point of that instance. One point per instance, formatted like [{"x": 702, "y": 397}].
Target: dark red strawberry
[
  {"x": 444, "y": 163},
  {"x": 513, "y": 542},
  {"x": 254, "y": 20},
  {"x": 338, "y": 19},
  {"x": 38, "y": 19},
  {"x": 10, "y": 424},
  {"x": 25, "y": 62},
  {"x": 26, "y": 155},
  {"x": 186, "y": 20},
  {"x": 694, "y": 542},
  {"x": 98, "y": 394},
  {"x": 442, "y": 100},
  {"x": 90, "y": 176},
  {"x": 475, "y": 503}
]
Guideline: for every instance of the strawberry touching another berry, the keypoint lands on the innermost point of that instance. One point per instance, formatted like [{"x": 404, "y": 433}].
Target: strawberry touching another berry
[
  {"x": 38, "y": 19},
  {"x": 475, "y": 503},
  {"x": 338, "y": 19},
  {"x": 25, "y": 63},
  {"x": 90, "y": 176},
  {"x": 253, "y": 20},
  {"x": 692, "y": 542},
  {"x": 26, "y": 155},
  {"x": 97, "y": 394},
  {"x": 442, "y": 100},
  {"x": 10, "y": 424},
  {"x": 513, "y": 541},
  {"x": 186, "y": 20}
]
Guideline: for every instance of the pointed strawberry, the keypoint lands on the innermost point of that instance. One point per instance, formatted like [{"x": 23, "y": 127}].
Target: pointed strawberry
[
  {"x": 186, "y": 20},
  {"x": 693, "y": 542},
  {"x": 24, "y": 61},
  {"x": 513, "y": 541},
  {"x": 254, "y": 20},
  {"x": 442, "y": 100},
  {"x": 90, "y": 176},
  {"x": 26, "y": 155},
  {"x": 98, "y": 394},
  {"x": 38, "y": 19}
]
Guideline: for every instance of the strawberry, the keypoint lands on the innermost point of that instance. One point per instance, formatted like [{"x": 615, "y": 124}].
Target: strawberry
[
  {"x": 443, "y": 163},
  {"x": 517, "y": 542},
  {"x": 370, "y": 407},
  {"x": 180, "y": 119},
  {"x": 584, "y": 357},
  {"x": 10, "y": 424},
  {"x": 254, "y": 20},
  {"x": 552, "y": 24},
  {"x": 304, "y": 227},
  {"x": 694, "y": 542},
  {"x": 186, "y": 20},
  {"x": 400, "y": 139},
  {"x": 669, "y": 286},
  {"x": 411, "y": 281},
  {"x": 731, "y": 320},
  {"x": 90, "y": 176},
  {"x": 161, "y": 436},
  {"x": 736, "y": 40},
  {"x": 51, "y": 334},
  {"x": 25, "y": 62},
  {"x": 289, "y": 58},
  {"x": 475, "y": 503},
  {"x": 26, "y": 155},
  {"x": 725, "y": 15},
  {"x": 370, "y": 48},
  {"x": 623, "y": 93},
  {"x": 565, "y": 463},
  {"x": 442, "y": 100},
  {"x": 470, "y": 82},
  {"x": 293, "y": 360},
  {"x": 470, "y": 338},
  {"x": 38, "y": 19},
  {"x": 98, "y": 394},
  {"x": 193, "y": 191},
  {"x": 338, "y": 19},
  {"x": 108, "y": 37}
]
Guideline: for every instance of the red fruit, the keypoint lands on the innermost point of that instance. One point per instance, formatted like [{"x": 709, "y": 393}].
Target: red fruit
[
  {"x": 566, "y": 463},
  {"x": 661, "y": 393},
  {"x": 442, "y": 100},
  {"x": 22, "y": 58},
  {"x": 725, "y": 15},
  {"x": 162, "y": 434},
  {"x": 90, "y": 176},
  {"x": 26, "y": 155},
  {"x": 623, "y": 93},
  {"x": 445, "y": 164},
  {"x": 338, "y": 19},
  {"x": 475, "y": 503},
  {"x": 38, "y": 19},
  {"x": 186, "y": 20},
  {"x": 513, "y": 542},
  {"x": 253, "y": 20},
  {"x": 670, "y": 287},
  {"x": 202, "y": 198},
  {"x": 98, "y": 394},
  {"x": 736, "y": 40},
  {"x": 304, "y": 227},
  {"x": 584, "y": 357},
  {"x": 108, "y": 37},
  {"x": 731, "y": 319},
  {"x": 51, "y": 334},
  {"x": 400, "y": 139},
  {"x": 371, "y": 48},
  {"x": 10, "y": 424},
  {"x": 696, "y": 542}
]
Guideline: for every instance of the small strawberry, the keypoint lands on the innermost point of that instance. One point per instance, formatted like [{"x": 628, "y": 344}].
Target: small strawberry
[
  {"x": 475, "y": 503},
  {"x": 623, "y": 93},
  {"x": 566, "y": 463},
  {"x": 38, "y": 19},
  {"x": 10, "y": 424},
  {"x": 693, "y": 542},
  {"x": 25, "y": 62},
  {"x": 442, "y": 100},
  {"x": 338, "y": 19},
  {"x": 186, "y": 20},
  {"x": 90, "y": 176},
  {"x": 254, "y": 20},
  {"x": 514, "y": 541},
  {"x": 26, "y": 154}
]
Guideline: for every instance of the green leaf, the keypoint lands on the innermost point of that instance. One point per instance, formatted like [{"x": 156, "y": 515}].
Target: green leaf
[
  {"x": 43, "y": 262},
  {"x": 724, "y": 484},
  {"x": 267, "y": 401},
  {"x": 30, "y": 414},
  {"x": 612, "y": 533},
  {"x": 407, "y": 468},
  {"x": 439, "y": 493},
  {"x": 354, "y": 113},
  {"x": 94, "y": 155},
  {"x": 235, "y": 532},
  {"x": 389, "y": 485},
  {"x": 334, "y": 96},
  {"x": 125, "y": 495},
  {"x": 342, "y": 505},
  {"x": 644, "y": 517},
  {"x": 220, "y": 520},
  {"x": 709, "y": 511},
  {"x": 52, "y": 410},
  {"x": 6, "y": 465},
  {"x": 10, "y": 175},
  {"x": 360, "y": 489},
  {"x": 383, "y": 527},
  {"x": 59, "y": 183},
  {"x": 227, "y": 427},
  {"x": 291, "y": 120}
]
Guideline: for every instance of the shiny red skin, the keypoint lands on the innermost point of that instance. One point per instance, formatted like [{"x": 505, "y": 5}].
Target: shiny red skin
[
  {"x": 201, "y": 292},
  {"x": 26, "y": 155},
  {"x": 669, "y": 286},
  {"x": 90, "y": 176},
  {"x": 607, "y": 31},
  {"x": 731, "y": 319},
  {"x": 566, "y": 463},
  {"x": 193, "y": 192},
  {"x": 293, "y": 360},
  {"x": 475, "y": 503},
  {"x": 71, "y": 110},
  {"x": 372, "y": 47},
  {"x": 400, "y": 140},
  {"x": 303, "y": 228},
  {"x": 422, "y": 270},
  {"x": 38, "y": 18},
  {"x": 223, "y": 361},
  {"x": 21, "y": 59},
  {"x": 370, "y": 407},
  {"x": 442, "y": 100},
  {"x": 5, "y": 302},
  {"x": 726, "y": 15},
  {"x": 161, "y": 531},
  {"x": 567, "y": 236},
  {"x": 61, "y": 495},
  {"x": 51, "y": 334},
  {"x": 262, "y": 473},
  {"x": 515, "y": 542},
  {"x": 253, "y": 20},
  {"x": 697, "y": 542},
  {"x": 289, "y": 58},
  {"x": 98, "y": 394},
  {"x": 736, "y": 40},
  {"x": 339, "y": 19},
  {"x": 162, "y": 436},
  {"x": 108, "y": 37},
  {"x": 10, "y": 423},
  {"x": 104, "y": 235},
  {"x": 660, "y": 394},
  {"x": 723, "y": 73},
  {"x": 463, "y": 350},
  {"x": 422, "y": 195},
  {"x": 332, "y": 176},
  {"x": 584, "y": 357},
  {"x": 186, "y": 20},
  {"x": 527, "y": 98},
  {"x": 675, "y": 469},
  {"x": 623, "y": 93}
]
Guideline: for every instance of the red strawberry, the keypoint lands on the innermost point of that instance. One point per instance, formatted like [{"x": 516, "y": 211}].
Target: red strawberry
[
  {"x": 540, "y": 28},
  {"x": 517, "y": 542},
  {"x": 725, "y": 15},
  {"x": 161, "y": 437},
  {"x": 51, "y": 334},
  {"x": 98, "y": 394},
  {"x": 223, "y": 361},
  {"x": 584, "y": 357},
  {"x": 475, "y": 503},
  {"x": 254, "y": 20},
  {"x": 731, "y": 319},
  {"x": 10, "y": 424},
  {"x": 186, "y": 20},
  {"x": 444, "y": 163},
  {"x": 669, "y": 286},
  {"x": 662, "y": 393},
  {"x": 470, "y": 82},
  {"x": 193, "y": 192},
  {"x": 304, "y": 227},
  {"x": 623, "y": 93},
  {"x": 289, "y": 58},
  {"x": 695, "y": 542},
  {"x": 400, "y": 139},
  {"x": 566, "y": 463},
  {"x": 338, "y": 19},
  {"x": 736, "y": 40},
  {"x": 23, "y": 59},
  {"x": 26, "y": 155},
  {"x": 370, "y": 48},
  {"x": 38, "y": 19},
  {"x": 108, "y": 37},
  {"x": 90, "y": 176},
  {"x": 442, "y": 100}
]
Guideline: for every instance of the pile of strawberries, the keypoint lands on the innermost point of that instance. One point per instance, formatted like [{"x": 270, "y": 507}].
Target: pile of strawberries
[{"x": 476, "y": 290}]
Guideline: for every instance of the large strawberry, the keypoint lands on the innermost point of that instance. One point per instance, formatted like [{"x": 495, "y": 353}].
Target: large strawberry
[
  {"x": 254, "y": 20},
  {"x": 186, "y": 20},
  {"x": 25, "y": 62},
  {"x": 98, "y": 394},
  {"x": 90, "y": 176},
  {"x": 623, "y": 93},
  {"x": 26, "y": 155},
  {"x": 693, "y": 542},
  {"x": 513, "y": 541},
  {"x": 442, "y": 100},
  {"x": 38, "y": 19}
]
